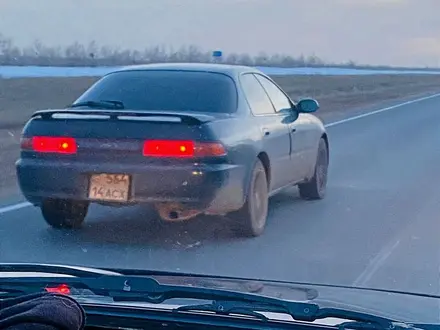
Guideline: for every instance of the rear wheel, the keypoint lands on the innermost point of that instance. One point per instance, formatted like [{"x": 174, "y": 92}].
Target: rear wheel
[
  {"x": 64, "y": 214},
  {"x": 250, "y": 220},
  {"x": 316, "y": 187}
]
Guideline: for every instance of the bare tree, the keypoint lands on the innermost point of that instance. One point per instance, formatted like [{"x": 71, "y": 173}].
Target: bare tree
[{"x": 94, "y": 54}]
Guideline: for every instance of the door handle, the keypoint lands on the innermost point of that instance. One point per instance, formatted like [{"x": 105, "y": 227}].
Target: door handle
[{"x": 266, "y": 132}]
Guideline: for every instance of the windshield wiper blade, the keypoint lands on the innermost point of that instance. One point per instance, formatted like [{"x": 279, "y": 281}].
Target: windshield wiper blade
[
  {"x": 298, "y": 311},
  {"x": 148, "y": 290},
  {"x": 206, "y": 281},
  {"x": 227, "y": 307},
  {"x": 107, "y": 104}
]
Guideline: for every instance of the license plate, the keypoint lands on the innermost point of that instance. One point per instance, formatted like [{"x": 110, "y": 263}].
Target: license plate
[{"x": 109, "y": 187}]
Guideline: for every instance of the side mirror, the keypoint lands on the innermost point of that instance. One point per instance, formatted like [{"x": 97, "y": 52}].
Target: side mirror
[{"x": 307, "y": 105}]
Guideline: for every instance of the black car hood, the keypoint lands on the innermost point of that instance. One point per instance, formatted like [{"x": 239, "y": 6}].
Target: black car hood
[{"x": 405, "y": 307}]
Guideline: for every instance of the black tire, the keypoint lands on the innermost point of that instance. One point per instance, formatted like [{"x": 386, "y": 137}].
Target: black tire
[
  {"x": 250, "y": 220},
  {"x": 317, "y": 186},
  {"x": 64, "y": 214}
]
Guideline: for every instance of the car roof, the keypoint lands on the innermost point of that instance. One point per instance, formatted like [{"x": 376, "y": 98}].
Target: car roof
[{"x": 228, "y": 69}]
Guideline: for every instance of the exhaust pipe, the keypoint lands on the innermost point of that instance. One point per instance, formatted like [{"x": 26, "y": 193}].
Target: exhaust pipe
[
  {"x": 175, "y": 212},
  {"x": 173, "y": 215}
]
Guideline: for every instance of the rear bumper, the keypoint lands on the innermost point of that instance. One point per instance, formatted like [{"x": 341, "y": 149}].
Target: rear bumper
[{"x": 219, "y": 187}]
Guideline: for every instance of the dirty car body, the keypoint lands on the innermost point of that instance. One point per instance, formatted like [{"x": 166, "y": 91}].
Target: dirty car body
[{"x": 183, "y": 137}]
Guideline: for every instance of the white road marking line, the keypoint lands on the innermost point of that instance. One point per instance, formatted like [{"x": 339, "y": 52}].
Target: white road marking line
[
  {"x": 375, "y": 265},
  {"x": 14, "y": 207},
  {"x": 18, "y": 206},
  {"x": 380, "y": 110}
]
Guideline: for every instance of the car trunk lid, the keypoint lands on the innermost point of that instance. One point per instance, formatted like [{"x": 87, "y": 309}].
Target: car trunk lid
[{"x": 117, "y": 134}]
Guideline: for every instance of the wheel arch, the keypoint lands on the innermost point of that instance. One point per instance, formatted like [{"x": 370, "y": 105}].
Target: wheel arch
[
  {"x": 325, "y": 137},
  {"x": 264, "y": 158}
]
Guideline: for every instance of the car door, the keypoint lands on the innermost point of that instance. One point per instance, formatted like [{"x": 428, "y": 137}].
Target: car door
[
  {"x": 297, "y": 129},
  {"x": 274, "y": 132}
]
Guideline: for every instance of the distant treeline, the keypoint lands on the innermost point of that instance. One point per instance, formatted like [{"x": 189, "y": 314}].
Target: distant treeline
[{"x": 93, "y": 54}]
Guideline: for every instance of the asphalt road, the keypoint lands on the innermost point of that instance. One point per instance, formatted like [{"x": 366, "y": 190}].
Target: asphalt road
[{"x": 378, "y": 225}]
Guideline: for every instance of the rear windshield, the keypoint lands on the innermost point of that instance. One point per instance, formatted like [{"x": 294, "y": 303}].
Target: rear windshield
[{"x": 167, "y": 90}]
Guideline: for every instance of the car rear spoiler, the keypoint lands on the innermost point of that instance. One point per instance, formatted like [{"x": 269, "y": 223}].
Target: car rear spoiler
[{"x": 167, "y": 116}]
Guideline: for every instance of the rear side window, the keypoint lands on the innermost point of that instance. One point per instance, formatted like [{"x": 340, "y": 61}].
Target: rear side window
[
  {"x": 166, "y": 90},
  {"x": 256, "y": 96}
]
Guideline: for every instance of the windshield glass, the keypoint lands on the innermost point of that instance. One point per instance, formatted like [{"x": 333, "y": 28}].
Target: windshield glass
[
  {"x": 283, "y": 140},
  {"x": 167, "y": 90}
]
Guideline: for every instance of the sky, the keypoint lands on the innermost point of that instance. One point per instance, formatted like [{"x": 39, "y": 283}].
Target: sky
[{"x": 391, "y": 32}]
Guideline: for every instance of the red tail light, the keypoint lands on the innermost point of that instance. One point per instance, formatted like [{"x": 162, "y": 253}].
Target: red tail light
[
  {"x": 50, "y": 144},
  {"x": 62, "y": 288},
  {"x": 182, "y": 149}
]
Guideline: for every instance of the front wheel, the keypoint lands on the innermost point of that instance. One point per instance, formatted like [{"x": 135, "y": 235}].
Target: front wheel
[
  {"x": 316, "y": 187},
  {"x": 64, "y": 214},
  {"x": 250, "y": 220}
]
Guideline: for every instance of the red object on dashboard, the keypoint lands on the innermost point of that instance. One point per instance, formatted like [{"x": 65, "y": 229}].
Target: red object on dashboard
[
  {"x": 182, "y": 149},
  {"x": 62, "y": 289}
]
